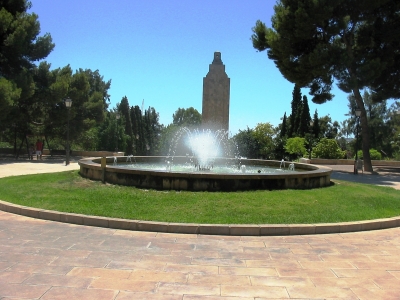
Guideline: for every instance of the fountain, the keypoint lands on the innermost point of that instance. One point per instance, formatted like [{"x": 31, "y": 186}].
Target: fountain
[
  {"x": 204, "y": 147},
  {"x": 129, "y": 159},
  {"x": 202, "y": 160},
  {"x": 282, "y": 165}
]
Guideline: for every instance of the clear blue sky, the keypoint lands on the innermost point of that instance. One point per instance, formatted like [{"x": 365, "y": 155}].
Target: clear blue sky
[{"x": 160, "y": 51}]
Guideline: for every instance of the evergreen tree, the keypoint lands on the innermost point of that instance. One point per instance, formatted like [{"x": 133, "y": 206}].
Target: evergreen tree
[
  {"x": 186, "y": 117},
  {"x": 314, "y": 43},
  {"x": 47, "y": 107},
  {"x": 247, "y": 145},
  {"x": 381, "y": 133},
  {"x": 98, "y": 86},
  {"x": 305, "y": 118},
  {"x": 21, "y": 48},
  {"x": 264, "y": 133},
  {"x": 327, "y": 128},
  {"x": 316, "y": 128},
  {"x": 283, "y": 132},
  {"x": 296, "y": 110},
  {"x": 379, "y": 125},
  {"x": 20, "y": 45},
  {"x": 279, "y": 147},
  {"x": 138, "y": 130},
  {"x": 124, "y": 109},
  {"x": 152, "y": 129},
  {"x": 105, "y": 133},
  {"x": 88, "y": 105},
  {"x": 166, "y": 139}
]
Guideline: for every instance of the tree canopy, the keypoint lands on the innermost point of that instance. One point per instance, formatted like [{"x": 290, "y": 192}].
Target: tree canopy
[
  {"x": 20, "y": 47},
  {"x": 264, "y": 134},
  {"x": 296, "y": 146},
  {"x": 329, "y": 149},
  {"x": 186, "y": 117},
  {"x": 247, "y": 144},
  {"x": 353, "y": 42}
]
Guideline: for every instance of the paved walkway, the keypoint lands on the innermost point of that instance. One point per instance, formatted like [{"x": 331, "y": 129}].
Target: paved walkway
[
  {"x": 9, "y": 167},
  {"x": 48, "y": 260},
  {"x": 385, "y": 176}
]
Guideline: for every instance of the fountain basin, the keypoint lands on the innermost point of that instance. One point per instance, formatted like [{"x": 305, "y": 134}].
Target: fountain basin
[{"x": 305, "y": 177}]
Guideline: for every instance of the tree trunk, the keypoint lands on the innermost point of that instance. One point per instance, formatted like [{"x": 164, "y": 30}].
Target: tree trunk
[
  {"x": 364, "y": 131},
  {"x": 360, "y": 103}
]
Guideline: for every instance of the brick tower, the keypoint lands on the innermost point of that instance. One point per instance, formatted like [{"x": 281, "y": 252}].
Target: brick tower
[{"x": 216, "y": 87}]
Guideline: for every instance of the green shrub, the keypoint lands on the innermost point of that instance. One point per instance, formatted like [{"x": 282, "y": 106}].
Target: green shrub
[
  {"x": 329, "y": 149},
  {"x": 396, "y": 156},
  {"x": 375, "y": 154},
  {"x": 5, "y": 145},
  {"x": 296, "y": 146}
]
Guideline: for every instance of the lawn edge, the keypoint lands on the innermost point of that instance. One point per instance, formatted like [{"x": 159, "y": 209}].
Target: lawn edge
[{"x": 205, "y": 229}]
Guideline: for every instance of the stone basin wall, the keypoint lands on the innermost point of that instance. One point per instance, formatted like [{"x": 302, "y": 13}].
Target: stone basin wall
[{"x": 309, "y": 177}]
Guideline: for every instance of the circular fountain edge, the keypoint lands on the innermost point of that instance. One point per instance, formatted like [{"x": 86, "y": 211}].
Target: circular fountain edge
[{"x": 311, "y": 176}]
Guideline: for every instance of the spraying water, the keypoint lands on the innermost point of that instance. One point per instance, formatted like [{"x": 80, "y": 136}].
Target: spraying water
[{"x": 204, "y": 146}]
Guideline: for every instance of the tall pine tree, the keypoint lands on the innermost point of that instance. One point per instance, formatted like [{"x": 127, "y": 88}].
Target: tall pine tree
[
  {"x": 284, "y": 126},
  {"x": 305, "y": 118},
  {"x": 21, "y": 48},
  {"x": 124, "y": 110},
  {"x": 152, "y": 130},
  {"x": 296, "y": 110},
  {"x": 137, "y": 130},
  {"x": 316, "y": 128}
]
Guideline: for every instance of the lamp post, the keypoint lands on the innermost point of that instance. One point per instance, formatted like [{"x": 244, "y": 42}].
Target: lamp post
[
  {"x": 14, "y": 126},
  {"x": 117, "y": 116},
  {"x": 358, "y": 114},
  {"x": 311, "y": 139},
  {"x": 68, "y": 103}
]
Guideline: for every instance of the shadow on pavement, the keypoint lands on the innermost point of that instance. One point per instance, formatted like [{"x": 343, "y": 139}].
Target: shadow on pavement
[{"x": 379, "y": 178}]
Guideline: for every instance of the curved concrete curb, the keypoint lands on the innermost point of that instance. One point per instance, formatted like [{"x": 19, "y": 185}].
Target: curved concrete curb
[{"x": 208, "y": 229}]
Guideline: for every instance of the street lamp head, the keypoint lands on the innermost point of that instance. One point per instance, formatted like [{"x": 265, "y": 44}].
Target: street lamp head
[
  {"x": 358, "y": 112},
  {"x": 68, "y": 102}
]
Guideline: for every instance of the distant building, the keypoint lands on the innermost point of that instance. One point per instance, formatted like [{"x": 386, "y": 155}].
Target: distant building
[{"x": 216, "y": 87}]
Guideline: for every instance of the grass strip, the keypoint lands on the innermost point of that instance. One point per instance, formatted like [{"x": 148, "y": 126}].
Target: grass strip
[{"x": 69, "y": 192}]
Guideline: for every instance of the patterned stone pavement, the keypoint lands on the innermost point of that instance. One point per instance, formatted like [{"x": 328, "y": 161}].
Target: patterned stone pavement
[{"x": 48, "y": 260}]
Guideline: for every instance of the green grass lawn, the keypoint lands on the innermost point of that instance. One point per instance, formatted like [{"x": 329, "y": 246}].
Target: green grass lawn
[{"x": 68, "y": 192}]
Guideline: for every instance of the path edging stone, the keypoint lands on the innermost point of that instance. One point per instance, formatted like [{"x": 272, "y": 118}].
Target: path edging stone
[{"x": 207, "y": 229}]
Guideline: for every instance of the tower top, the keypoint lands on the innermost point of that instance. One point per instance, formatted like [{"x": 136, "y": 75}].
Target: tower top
[
  {"x": 217, "y": 59},
  {"x": 216, "y": 90}
]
